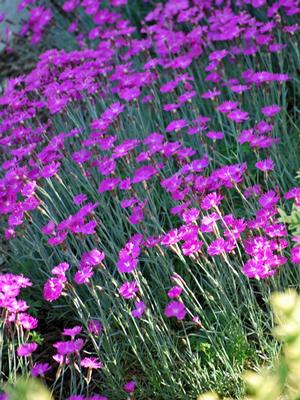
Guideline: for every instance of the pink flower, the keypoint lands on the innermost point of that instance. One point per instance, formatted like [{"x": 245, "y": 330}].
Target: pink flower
[
  {"x": 170, "y": 238},
  {"x": 191, "y": 246},
  {"x": 270, "y": 111},
  {"x": 269, "y": 199},
  {"x": 190, "y": 215},
  {"x": 211, "y": 94},
  {"x": 211, "y": 200},
  {"x": 216, "y": 247},
  {"x": 169, "y": 86},
  {"x": 61, "y": 359},
  {"x": 40, "y": 369},
  {"x": 137, "y": 215},
  {"x": 254, "y": 190},
  {"x": 127, "y": 263},
  {"x": 256, "y": 269},
  {"x": 174, "y": 292},
  {"x": 71, "y": 346},
  {"x": 227, "y": 106},
  {"x": 49, "y": 228},
  {"x": 58, "y": 239},
  {"x": 95, "y": 327},
  {"x": 176, "y": 125},
  {"x": 215, "y": 135},
  {"x": 139, "y": 309},
  {"x": 265, "y": 165},
  {"x": 108, "y": 184},
  {"x": 92, "y": 258},
  {"x": 295, "y": 255},
  {"x": 143, "y": 173},
  {"x": 130, "y": 386},
  {"x": 128, "y": 289},
  {"x": 91, "y": 362},
  {"x": 79, "y": 198},
  {"x": 52, "y": 289},
  {"x": 239, "y": 88},
  {"x": 49, "y": 170},
  {"x": 175, "y": 309},
  {"x": 238, "y": 116},
  {"x": 83, "y": 275},
  {"x": 72, "y": 331},
  {"x": 293, "y": 194},
  {"x": 27, "y": 321},
  {"x": 60, "y": 271},
  {"x": 81, "y": 156},
  {"x": 76, "y": 397},
  {"x": 26, "y": 349}
]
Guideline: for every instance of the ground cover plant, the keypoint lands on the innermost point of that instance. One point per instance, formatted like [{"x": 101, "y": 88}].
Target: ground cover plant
[{"x": 149, "y": 196}]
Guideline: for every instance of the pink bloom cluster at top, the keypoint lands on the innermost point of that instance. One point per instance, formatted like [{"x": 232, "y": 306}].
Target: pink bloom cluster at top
[{"x": 39, "y": 18}]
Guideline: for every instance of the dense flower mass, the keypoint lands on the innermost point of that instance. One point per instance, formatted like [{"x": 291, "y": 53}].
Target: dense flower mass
[{"x": 139, "y": 153}]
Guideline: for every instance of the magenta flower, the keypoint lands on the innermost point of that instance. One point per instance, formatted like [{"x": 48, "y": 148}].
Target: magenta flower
[
  {"x": 211, "y": 94},
  {"x": 92, "y": 258},
  {"x": 211, "y": 200},
  {"x": 106, "y": 166},
  {"x": 128, "y": 289},
  {"x": 49, "y": 170},
  {"x": 71, "y": 346},
  {"x": 176, "y": 125},
  {"x": 143, "y": 173},
  {"x": 227, "y": 106},
  {"x": 216, "y": 247},
  {"x": 139, "y": 310},
  {"x": 238, "y": 116},
  {"x": 91, "y": 362},
  {"x": 72, "y": 331},
  {"x": 27, "y": 321},
  {"x": 170, "y": 238},
  {"x": 265, "y": 165},
  {"x": 269, "y": 199},
  {"x": 52, "y": 289},
  {"x": 81, "y": 156},
  {"x": 256, "y": 269},
  {"x": 83, "y": 275},
  {"x": 108, "y": 184},
  {"x": 239, "y": 88},
  {"x": 58, "y": 239},
  {"x": 215, "y": 135},
  {"x": 169, "y": 86},
  {"x": 191, "y": 246},
  {"x": 60, "y": 271},
  {"x": 270, "y": 111},
  {"x": 175, "y": 309},
  {"x": 295, "y": 255},
  {"x": 127, "y": 263},
  {"x": 39, "y": 369},
  {"x": 24, "y": 350},
  {"x": 190, "y": 215},
  {"x": 174, "y": 292},
  {"x": 95, "y": 327},
  {"x": 293, "y": 194},
  {"x": 130, "y": 386},
  {"x": 79, "y": 198}
]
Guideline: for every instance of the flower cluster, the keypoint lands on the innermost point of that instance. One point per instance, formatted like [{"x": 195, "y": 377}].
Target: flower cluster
[{"x": 139, "y": 156}]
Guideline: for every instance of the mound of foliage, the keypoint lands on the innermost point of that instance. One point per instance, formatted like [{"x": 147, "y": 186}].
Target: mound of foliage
[{"x": 146, "y": 191}]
